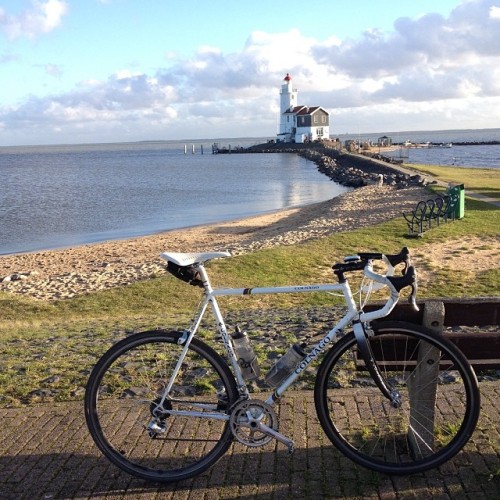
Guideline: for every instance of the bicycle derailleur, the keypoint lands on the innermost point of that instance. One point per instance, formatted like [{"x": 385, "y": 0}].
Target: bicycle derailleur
[{"x": 157, "y": 423}]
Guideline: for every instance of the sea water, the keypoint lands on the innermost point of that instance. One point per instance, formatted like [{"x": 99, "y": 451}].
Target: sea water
[
  {"x": 470, "y": 156},
  {"x": 60, "y": 196}
]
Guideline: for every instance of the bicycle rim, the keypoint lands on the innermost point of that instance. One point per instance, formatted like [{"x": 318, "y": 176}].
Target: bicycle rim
[
  {"x": 122, "y": 394},
  {"x": 439, "y": 400}
]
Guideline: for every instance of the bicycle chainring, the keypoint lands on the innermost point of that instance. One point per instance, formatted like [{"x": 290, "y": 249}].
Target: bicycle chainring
[{"x": 246, "y": 419}]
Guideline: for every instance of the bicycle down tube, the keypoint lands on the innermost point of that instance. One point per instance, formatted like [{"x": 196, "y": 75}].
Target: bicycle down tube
[{"x": 352, "y": 315}]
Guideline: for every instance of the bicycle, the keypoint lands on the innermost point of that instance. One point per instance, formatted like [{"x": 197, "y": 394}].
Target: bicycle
[{"x": 165, "y": 406}]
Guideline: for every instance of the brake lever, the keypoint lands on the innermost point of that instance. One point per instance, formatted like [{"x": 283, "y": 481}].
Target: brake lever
[{"x": 412, "y": 299}]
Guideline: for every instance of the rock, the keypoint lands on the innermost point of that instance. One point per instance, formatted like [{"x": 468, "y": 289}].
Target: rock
[
  {"x": 18, "y": 277},
  {"x": 43, "y": 393}
]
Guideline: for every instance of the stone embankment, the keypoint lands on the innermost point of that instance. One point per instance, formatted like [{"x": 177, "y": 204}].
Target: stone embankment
[
  {"x": 356, "y": 171},
  {"x": 346, "y": 169}
]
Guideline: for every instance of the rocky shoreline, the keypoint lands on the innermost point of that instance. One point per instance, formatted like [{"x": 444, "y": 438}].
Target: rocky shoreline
[
  {"x": 356, "y": 171},
  {"x": 344, "y": 168}
]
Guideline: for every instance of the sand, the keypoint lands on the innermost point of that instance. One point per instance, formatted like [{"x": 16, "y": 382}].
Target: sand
[{"x": 66, "y": 273}]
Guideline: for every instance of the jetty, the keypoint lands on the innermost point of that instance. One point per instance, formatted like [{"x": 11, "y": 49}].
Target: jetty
[
  {"x": 347, "y": 169},
  {"x": 217, "y": 149}
]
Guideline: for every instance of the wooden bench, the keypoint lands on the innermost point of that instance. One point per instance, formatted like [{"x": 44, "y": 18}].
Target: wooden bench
[{"x": 482, "y": 348}]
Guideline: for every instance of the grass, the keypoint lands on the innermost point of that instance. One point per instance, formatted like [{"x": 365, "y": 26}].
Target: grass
[
  {"x": 40, "y": 339},
  {"x": 167, "y": 301},
  {"x": 485, "y": 181}
]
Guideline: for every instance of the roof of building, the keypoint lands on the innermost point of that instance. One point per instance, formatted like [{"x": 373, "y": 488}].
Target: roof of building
[{"x": 305, "y": 110}]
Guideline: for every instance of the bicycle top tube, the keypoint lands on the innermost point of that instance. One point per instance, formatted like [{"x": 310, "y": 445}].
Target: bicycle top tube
[{"x": 190, "y": 267}]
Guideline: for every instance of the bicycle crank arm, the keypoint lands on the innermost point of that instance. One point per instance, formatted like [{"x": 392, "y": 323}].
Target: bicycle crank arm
[{"x": 276, "y": 435}]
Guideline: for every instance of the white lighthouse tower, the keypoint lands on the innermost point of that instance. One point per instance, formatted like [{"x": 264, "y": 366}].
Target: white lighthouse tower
[{"x": 288, "y": 101}]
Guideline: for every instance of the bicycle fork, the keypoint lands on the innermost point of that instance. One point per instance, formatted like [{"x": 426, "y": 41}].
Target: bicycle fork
[{"x": 363, "y": 342}]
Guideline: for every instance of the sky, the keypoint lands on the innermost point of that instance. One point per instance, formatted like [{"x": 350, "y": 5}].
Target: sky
[{"x": 86, "y": 71}]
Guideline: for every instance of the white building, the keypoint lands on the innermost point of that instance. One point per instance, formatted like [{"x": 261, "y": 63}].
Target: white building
[{"x": 300, "y": 123}]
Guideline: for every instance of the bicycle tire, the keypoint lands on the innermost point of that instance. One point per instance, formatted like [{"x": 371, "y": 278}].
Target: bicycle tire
[
  {"x": 123, "y": 391},
  {"x": 426, "y": 430}
]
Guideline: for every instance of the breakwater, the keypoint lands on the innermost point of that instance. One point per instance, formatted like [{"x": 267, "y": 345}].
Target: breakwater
[{"x": 345, "y": 168}]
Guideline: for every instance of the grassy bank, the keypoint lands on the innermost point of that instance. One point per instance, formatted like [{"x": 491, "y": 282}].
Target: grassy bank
[
  {"x": 41, "y": 341},
  {"x": 485, "y": 181}
]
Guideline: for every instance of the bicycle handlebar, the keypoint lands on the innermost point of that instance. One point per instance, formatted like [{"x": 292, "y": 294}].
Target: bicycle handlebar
[
  {"x": 393, "y": 260},
  {"x": 362, "y": 262}
]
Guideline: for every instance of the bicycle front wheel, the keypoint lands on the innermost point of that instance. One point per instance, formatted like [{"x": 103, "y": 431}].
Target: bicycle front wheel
[
  {"x": 439, "y": 404},
  {"x": 122, "y": 406}
]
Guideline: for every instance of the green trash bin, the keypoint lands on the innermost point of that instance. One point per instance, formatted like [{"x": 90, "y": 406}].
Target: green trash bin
[{"x": 457, "y": 195}]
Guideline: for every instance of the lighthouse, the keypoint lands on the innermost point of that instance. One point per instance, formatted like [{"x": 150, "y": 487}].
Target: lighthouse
[
  {"x": 288, "y": 95},
  {"x": 288, "y": 100},
  {"x": 300, "y": 123}
]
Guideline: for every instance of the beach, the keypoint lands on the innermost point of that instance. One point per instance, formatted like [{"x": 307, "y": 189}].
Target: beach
[{"x": 69, "y": 272}]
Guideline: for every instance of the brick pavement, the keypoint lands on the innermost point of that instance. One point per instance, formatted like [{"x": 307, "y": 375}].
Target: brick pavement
[{"x": 47, "y": 453}]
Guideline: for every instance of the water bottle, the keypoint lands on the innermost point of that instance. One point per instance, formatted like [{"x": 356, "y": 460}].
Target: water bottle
[
  {"x": 246, "y": 355},
  {"x": 284, "y": 367}
]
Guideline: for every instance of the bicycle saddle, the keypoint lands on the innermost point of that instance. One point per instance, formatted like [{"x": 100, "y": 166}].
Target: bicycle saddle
[{"x": 187, "y": 259}]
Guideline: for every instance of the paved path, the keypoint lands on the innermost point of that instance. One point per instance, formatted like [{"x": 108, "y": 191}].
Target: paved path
[{"x": 47, "y": 453}]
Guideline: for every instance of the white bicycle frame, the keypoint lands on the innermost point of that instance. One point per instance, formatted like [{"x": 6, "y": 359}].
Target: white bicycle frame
[{"x": 353, "y": 316}]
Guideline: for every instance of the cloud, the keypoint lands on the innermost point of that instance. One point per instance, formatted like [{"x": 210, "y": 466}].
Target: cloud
[
  {"x": 53, "y": 70},
  {"x": 428, "y": 72},
  {"x": 8, "y": 58},
  {"x": 43, "y": 17},
  {"x": 424, "y": 59}
]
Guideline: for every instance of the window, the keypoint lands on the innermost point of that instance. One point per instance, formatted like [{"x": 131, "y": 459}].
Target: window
[
  {"x": 323, "y": 119},
  {"x": 319, "y": 131},
  {"x": 315, "y": 119}
]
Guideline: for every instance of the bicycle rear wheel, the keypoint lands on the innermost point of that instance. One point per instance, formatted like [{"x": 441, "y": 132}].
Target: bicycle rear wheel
[
  {"x": 439, "y": 393},
  {"x": 121, "y": 406}
]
